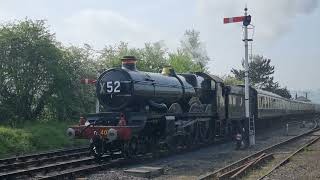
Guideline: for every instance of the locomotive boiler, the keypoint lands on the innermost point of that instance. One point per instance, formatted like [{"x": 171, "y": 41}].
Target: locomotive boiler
[{"x": 128, "y": 89}]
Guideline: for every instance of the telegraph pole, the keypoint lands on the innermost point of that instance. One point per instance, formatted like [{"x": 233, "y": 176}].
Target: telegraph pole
[{"x": 246, "y": 19}]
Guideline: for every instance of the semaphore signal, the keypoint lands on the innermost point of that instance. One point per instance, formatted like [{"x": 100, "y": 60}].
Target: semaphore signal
[
  {"x": 246, "y": 19},
  {"x": 233, "y": 19},
  {"x": 88, "y": 81}
]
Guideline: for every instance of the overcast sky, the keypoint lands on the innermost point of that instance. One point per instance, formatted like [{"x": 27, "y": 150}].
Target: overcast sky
[{"x": 286, "y": 31}]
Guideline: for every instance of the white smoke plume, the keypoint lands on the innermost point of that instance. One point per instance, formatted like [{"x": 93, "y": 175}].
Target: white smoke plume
[{"x": 272, "y": 18}]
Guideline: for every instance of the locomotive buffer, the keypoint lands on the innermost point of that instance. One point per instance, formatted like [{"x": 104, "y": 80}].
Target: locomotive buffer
[{"x": 246, "y": 19}]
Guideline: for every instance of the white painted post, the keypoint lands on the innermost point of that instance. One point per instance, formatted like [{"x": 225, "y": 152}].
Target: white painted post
[{"x": 246, "y": 83}]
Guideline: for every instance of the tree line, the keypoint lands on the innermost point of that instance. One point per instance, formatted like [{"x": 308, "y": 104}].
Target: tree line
[
  {"x": 260, "y": 76},
  {"x": 40, "y": 77}
]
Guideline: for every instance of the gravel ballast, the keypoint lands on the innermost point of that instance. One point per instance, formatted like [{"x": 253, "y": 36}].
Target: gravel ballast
[{"x": 304, "y": 165}]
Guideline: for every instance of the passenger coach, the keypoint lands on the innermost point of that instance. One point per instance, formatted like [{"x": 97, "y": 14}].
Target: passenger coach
[{"x": 264, "y": 105}]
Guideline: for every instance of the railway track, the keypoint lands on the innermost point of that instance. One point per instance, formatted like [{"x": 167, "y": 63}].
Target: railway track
[
  {"x": 20, "y": 165},
  {"x": 29, "y": 157},
  {"x": 70, "y": 163},
  {"x": 276, "y": 155},
  {"x": 69, "y": 169}
]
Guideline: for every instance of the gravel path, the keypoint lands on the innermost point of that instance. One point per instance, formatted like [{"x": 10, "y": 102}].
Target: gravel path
[{"x": 193, "y": 164}]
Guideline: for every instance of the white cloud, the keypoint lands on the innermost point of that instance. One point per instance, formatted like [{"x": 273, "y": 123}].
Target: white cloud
[
  {"x": 105, "y": 27},
  {"x": 272, "y": 18}
]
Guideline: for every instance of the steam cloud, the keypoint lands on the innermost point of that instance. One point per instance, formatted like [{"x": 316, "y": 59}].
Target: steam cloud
[{"x": 272, "y": 18}]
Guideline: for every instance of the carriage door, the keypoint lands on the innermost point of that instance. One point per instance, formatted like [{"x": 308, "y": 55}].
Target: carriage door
[{"x": 220, "y": 101}]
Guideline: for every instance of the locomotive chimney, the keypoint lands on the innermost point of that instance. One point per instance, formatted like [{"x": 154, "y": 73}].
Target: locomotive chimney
[{"x": 129, "y": 62}]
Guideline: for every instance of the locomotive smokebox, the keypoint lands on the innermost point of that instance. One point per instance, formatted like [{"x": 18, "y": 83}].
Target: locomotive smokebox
[
  {"x": 129, "y": 63},
  {"x": 126, "y": 88}
]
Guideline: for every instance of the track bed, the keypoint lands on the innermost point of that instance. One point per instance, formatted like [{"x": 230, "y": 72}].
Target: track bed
[{"x": 191, "y": 165}]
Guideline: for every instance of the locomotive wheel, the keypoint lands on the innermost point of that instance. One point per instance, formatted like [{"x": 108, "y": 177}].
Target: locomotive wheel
[
  {"x": 195, "y": 134},
  {"x": 130, "y": 148},
  {"x": 142, "y": 145},
  {"x": 196, "y": 108},
  {"x": 172, "y": 143},
  {"x": 96, "y": 148},
  {"x": 204, "y": 127},
  {"x": 175, "y": 108},
  {"x": 193, "y": 129},
  {"x": 192, "y": 135},
  {"x": 204, "y": 133},
  {"x": 194, "y": 100}
]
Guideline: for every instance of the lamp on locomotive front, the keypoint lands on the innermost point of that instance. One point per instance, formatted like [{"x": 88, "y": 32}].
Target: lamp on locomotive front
[{"x": 129, "y": 62}]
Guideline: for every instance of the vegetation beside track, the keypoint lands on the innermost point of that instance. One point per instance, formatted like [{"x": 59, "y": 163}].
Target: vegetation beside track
[{"x": 35, "y": 136}]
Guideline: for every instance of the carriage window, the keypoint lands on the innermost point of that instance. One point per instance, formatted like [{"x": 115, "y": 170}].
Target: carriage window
[
  {"x": 266, "y": 102},
  {"x": 213, "y": 85},
  {"x": 269, "y": 103}
]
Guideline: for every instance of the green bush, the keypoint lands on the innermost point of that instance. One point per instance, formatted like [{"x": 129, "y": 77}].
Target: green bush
[
  {"x": 36, "y": 136},
  {"x": 15, "y": 141},
  {"x": 50, "y": 135}
]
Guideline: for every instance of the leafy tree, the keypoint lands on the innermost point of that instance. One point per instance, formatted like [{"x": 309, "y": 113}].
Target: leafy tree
[
  {"x": 110, "y": 56},
  {"x": 260, "y": 73},
  {"x": 261, "y": 76},
  {"x": 182, "y": 62},
  {"x": 284, "y": 92},
  {"x": 153, "y": 57},
  {"x": 40, "y": 77},
  {"x": 71, "y": 97},
  {"x": 192, "y": 45},
  {"x": 231, "y": 80},
  {"x": 29, "y": 68}
]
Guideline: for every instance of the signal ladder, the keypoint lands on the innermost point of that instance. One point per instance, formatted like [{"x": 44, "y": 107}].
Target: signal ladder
[{"x": 252, "y": 129}]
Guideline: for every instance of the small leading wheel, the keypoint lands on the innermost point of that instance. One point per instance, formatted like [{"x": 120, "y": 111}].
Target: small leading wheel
[{"x": 130, "y": 148}]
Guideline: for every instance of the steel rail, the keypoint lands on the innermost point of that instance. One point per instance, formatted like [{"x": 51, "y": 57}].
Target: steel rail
[
  {"x": 244, "y": 160},
  {"x": 48, "y": 167},
  {"x": 34, "y": 162},
  {"x": 42, "y": 154},
  {"x": 287, "y": 159},
  {"x": 73, "y": 172}
]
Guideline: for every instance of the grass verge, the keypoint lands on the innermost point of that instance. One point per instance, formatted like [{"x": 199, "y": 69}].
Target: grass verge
[{"x": 34, "y": 137}]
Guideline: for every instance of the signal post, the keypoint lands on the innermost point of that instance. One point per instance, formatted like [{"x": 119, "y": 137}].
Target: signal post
[{"x": 246, "y": 19}]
